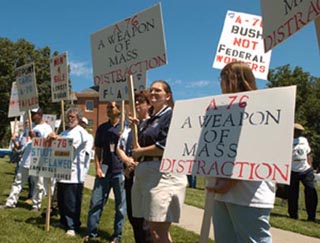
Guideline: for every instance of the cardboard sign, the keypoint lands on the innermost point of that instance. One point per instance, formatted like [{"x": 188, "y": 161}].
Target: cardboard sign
[
  {"x": 131, "y": 46},
  {"x": 59, "y": 78},
  {"x": 283, "y": 18},
  {"x": 51, "y": 120},
  {"x": 120, "y": 90},
  {"x": 51, "y": 158},
  {"x": 246, "y": 136},
  {"x": 241, "y": 40},
  {"x": 14, "y": 109},
  {"x": 27, "y": 87}
]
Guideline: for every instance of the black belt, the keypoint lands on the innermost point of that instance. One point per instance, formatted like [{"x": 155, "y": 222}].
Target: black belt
[{"x": 150, "y": 158}]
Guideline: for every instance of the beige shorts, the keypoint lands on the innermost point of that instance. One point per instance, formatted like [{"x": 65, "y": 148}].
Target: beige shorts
[{"x": 156, "y": 196}]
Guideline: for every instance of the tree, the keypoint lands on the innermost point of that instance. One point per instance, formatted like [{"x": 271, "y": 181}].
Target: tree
[
  {"x": 307, "y": 110},
  {"x": 16, "y": 54}
]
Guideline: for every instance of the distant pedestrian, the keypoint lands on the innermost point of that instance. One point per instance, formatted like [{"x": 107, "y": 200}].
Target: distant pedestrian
[{"x": 301, "y": 170}]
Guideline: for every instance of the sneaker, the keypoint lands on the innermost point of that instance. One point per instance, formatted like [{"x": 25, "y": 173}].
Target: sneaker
[
  {"x": 35, "y": 209},
  {"x": 115, "y": 240},
  {"x": 71, "y": 232},
  {"x": 86, "y": 239},
  {"x": 5, "y": 206},
  {"x": 28, "y": 201}
]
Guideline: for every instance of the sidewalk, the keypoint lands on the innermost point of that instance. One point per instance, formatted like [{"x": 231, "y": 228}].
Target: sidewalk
[{"x": 191, "y": 219}]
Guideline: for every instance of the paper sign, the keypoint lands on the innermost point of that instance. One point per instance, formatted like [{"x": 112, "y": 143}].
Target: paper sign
[
  {"x": 51, "y": 120},
  {"x": 133, "y": 45},
  {"x": 246, "y": 136},
  {"x": 241, "y": 40},
  {"x": 59, "y": 77},
  {"x": 27, "y": 87},
  {"x": 51, "y": 158},
  {"x": 120, "y": 90},
  {"x": 283, "y": 18},
  {"x": 14, "y": 109}
]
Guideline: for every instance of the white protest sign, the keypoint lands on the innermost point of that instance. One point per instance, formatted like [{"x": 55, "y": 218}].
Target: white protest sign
[
  {"x": 51, "y": 158},
  {"x": 283, "y": 18},
  {"x": 14, "y": 109},
  {"x": 16, "y": 127},
  {"x": 50, "y": 119},
  {"x": 241, "y": 40},
  {"x": 246, "y": 136},
  {"x": 59, "y": 77},
  {"x": 119, "y": 90},
  {"x": 131, "y": 46},
  {"x": 27, "y": 87}
]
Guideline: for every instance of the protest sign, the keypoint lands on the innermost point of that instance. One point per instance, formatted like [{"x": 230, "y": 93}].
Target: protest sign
[
  {"x": 51, "y": 120},
  {"x": 14, "y": 109},
  {"x": 133, "y": 45},
  {"x": 241, "y": 40},
  {"x": 120, "y": 90},
  {"x": 283, "y": 18},
  {"x": 51, "y": 158},
  {"x": 246, "y": 136},
  {"x": 59, "y": 77},
  {"x": 27, "y": 87}
]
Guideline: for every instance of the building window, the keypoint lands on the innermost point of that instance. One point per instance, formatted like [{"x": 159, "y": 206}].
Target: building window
[
  {"x": 90, "y": 123},
  {"x": 89, "y": 105}
]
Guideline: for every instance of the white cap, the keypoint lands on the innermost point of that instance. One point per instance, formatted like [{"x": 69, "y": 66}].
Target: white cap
[{"x": 85, "y": 120}]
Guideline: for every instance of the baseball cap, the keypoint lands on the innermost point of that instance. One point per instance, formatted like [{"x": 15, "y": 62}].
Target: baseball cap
[
  {"x": 298, "y": 126},
  {"x": 37, "y": 110},
  {"x": 85, "y": 120}
]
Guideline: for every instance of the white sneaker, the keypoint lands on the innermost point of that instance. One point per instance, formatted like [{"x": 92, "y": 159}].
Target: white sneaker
[{"x": 71, "y": 233}]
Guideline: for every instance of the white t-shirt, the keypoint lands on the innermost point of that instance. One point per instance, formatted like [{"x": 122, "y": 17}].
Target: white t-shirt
[
  {"x": 41, "y": 130},
  {"x": 258, "y": 194},
  {"x": 300, "y": 152},
  {"x": 79, "y": 167}
]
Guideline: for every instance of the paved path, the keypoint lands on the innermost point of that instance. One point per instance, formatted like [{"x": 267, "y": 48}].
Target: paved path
[{"x": 191, "y": 219}]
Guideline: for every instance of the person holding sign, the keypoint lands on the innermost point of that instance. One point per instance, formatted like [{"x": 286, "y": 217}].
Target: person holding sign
[
  {"x": 22, "y": 170},
  {"x": 140, "y": 229},
  {"x": 301, "y": 170},
  {"x": 157, "y": 197},
  {"x": 241, "y": 209},
  {"x": 109, "y": 174},
  {"x": 70, "y": 191},
  {"x": 42, "y": 130}
]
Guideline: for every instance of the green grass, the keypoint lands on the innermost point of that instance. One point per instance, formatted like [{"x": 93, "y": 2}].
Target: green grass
[
  {"x": 22, "y": 225},
  {"x": 279, "y": 216}
]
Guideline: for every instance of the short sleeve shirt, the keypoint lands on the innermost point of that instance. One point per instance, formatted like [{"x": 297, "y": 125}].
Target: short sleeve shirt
[
  {"x": 155, "y": 129},
  {"x": 107, "y": 137}
]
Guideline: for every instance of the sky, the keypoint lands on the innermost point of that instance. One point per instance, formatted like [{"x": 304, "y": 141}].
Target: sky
[{"x": 192, "y": 31}]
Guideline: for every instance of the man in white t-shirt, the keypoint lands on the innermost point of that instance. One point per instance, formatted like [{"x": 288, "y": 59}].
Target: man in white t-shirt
[{"x": 301, "y": 170}]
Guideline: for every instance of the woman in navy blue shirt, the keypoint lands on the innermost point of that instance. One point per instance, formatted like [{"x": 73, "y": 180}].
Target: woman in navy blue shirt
[{"x": 157, "y": 196}]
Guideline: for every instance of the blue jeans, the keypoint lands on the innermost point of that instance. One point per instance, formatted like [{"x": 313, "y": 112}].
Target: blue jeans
[
  {"x": 99, "y": 198},
  {"x": 241, "y": 224}
]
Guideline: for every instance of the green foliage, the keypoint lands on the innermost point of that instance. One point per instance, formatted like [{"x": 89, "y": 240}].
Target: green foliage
[
  {"x": 307, "y": 102},
  {"x": 16, "y": 54}
]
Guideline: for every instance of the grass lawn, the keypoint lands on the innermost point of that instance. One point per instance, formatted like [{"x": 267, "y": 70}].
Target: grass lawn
[
  {"x": 22, "y": 225},
  {"x": 279, "y": 216}
]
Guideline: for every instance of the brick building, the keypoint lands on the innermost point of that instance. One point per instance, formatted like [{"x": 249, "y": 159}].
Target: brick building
[{"x": 88, "y": 101}]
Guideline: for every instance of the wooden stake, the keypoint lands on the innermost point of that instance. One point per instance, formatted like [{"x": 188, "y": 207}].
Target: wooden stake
[{"x": 132, "y": 102}]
